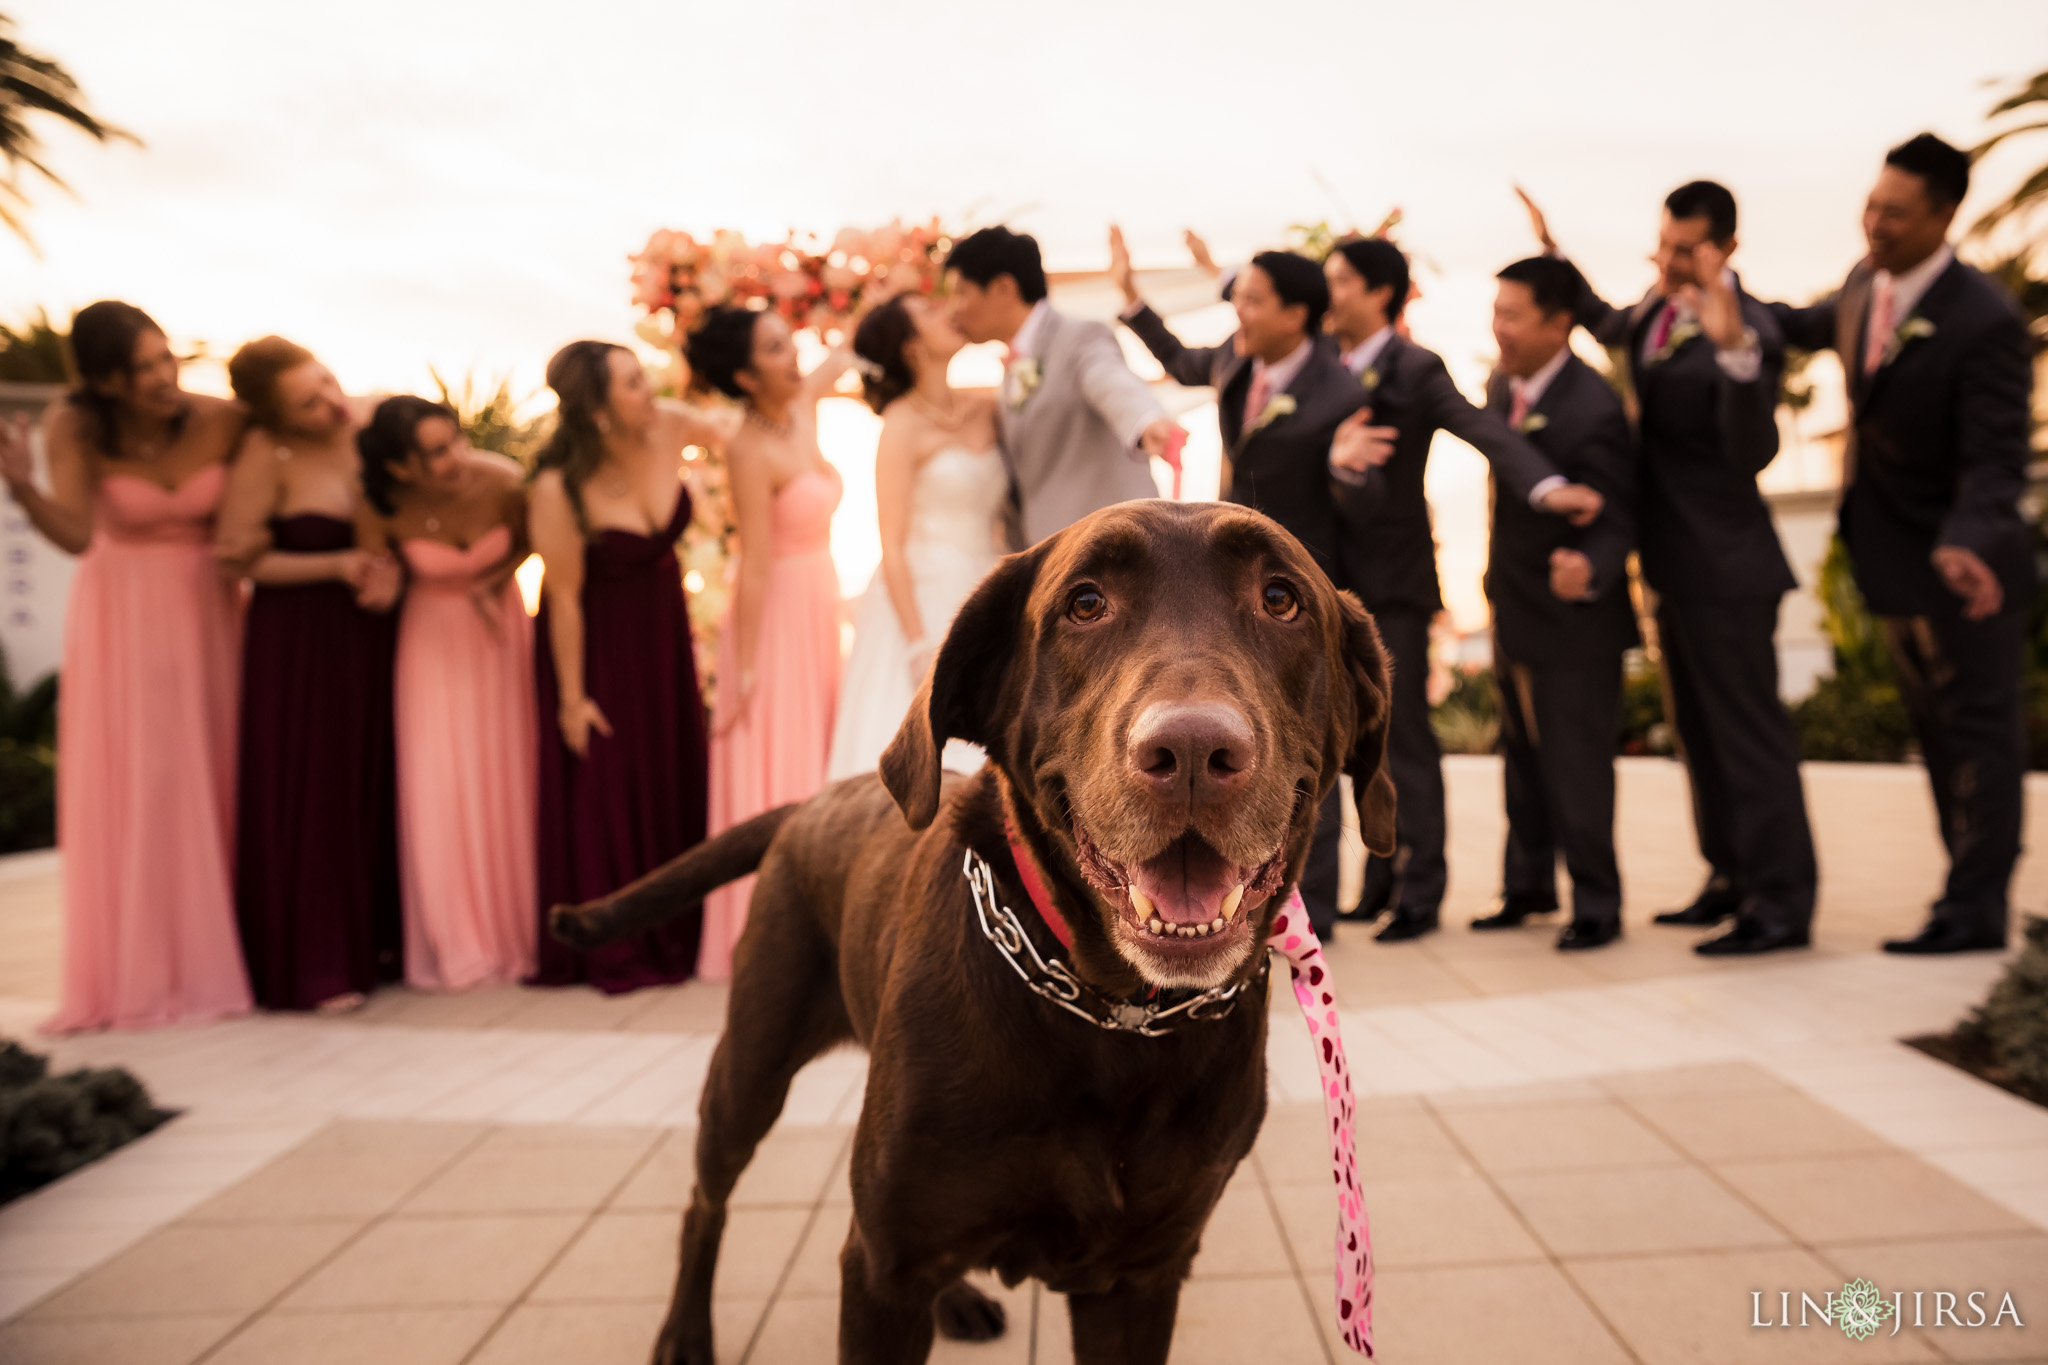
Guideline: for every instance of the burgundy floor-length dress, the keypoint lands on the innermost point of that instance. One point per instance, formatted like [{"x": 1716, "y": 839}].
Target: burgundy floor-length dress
[
  {"x": 638, "y": 798},
  {"x": 316, "y": 852}
]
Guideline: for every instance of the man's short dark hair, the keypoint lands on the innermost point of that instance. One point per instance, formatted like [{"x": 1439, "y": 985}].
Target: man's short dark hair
[
  {"x": 1297, "y": 280},
  {"x": 982, "y": 255},
  {"x": 1552, "y": 283},
  {"x": 1379, "y": 262},
  {"x": 1708, "y": 200},
  {"x": 1945, "y": 170}
]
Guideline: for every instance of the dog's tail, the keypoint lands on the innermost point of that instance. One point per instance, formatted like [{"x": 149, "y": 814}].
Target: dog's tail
[{"x": 672, "y": 888}]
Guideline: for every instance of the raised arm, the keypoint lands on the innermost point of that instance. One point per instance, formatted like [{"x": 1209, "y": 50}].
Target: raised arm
[
  {"x": 753, "y": 499},
  {"x": 559, "y": 538},
  {"x": 1608, "y": 324},
  {"x": 1810, "y": 328},
  {"x": 1193, "y": 366},
  {"x": 63, "y": 514}
]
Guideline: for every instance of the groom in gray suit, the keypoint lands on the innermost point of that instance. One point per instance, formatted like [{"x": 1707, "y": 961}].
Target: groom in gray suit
[{"x": 1077, "y": 427}]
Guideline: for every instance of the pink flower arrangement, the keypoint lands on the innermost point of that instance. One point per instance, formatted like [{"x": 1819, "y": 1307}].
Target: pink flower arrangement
[{"x": 811, "y": 282}]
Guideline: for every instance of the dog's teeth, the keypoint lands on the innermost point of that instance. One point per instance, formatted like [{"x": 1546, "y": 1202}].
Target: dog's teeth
[
  {"x": 1155, "y": 926},
  {"x": 1141, "y": 903},
  {"x": 1231, "y": 902},
  {"x": 1202, "y": 930},
  {"x": 1216, "y": 925}
]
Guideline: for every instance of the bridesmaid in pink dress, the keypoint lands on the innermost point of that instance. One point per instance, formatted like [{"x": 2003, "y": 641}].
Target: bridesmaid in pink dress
[
  {"x": 463, "y": 696},
  {"x": 778, "y": 650},
  {"x": 146, "y": 732}
]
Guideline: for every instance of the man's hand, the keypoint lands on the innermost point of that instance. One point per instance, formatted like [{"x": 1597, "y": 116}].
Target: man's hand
[
  {"x": 1571, "y": 575},
  {"x": 1971, "y": 579},
  {"x": 1360, "y": 446},
  {"x": 1199, "y": 249},
  {"x": 1713, "y": 298},
  {"x": 17, "y": 465},
  {"x": 1120, "y": 272},
  {"x": 1575, "y": 502},
  {"x": 1157, "y": 433},
  {"x": 1537, "y": 223}
]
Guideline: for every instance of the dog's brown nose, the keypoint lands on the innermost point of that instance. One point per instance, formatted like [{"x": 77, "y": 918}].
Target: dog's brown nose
[{"x": 1192, "y": 746}]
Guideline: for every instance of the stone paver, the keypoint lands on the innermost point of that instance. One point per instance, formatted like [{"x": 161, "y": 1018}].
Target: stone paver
[{"x": 1587, "y": 1159}]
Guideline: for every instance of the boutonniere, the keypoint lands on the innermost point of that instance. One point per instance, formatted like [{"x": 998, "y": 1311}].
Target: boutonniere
[
  {"x": 1278, "y": 406},
  {"x": 1912, "y": 329},
  {"x": 1369, "y": 377},
  {"x": 1024, "y": 380},
  {"x": 1533, "y": 423},
  {"x": 1682, "y": 333}
]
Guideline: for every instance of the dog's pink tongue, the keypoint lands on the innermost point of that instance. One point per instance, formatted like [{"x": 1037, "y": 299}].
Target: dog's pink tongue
[{"x": 1187, "y": 882}]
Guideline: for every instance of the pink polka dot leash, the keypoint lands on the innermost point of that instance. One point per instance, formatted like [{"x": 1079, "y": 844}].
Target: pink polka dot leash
[{"x": 1295, "y": 940}]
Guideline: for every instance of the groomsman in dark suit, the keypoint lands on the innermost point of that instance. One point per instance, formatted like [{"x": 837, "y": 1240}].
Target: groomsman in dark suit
[
  {"x": 1387, "y": 553},
  {"x": 1279, "y": 400},
  {"x": 1561, "y": 613},
  {"x": 1706, "y": 359},
  {"x": 1940, "y": 370}
]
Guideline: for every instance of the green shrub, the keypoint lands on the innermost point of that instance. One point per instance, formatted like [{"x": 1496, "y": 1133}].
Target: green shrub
[
  {"x": 28, "y": 765},
  {"x": 52, "y": 1125},
  {"x": 1468, "y": 720},
  {"x": 2014, "y": 1018},
  {"x": 1644, "y": 730}
]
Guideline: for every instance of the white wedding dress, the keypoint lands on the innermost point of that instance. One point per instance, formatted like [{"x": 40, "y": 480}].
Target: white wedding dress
[{"x": 956, "y": 508}]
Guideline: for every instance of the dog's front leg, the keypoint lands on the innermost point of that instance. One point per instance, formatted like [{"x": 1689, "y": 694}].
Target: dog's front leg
[
  {"x": 1128, "y": 1325},
  {"x": 884, "y": 1318}
]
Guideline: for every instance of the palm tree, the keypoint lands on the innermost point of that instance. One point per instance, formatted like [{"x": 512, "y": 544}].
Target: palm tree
[
  {"x": 29, "y": 85},
  {"x": 2021, "y": 267}
]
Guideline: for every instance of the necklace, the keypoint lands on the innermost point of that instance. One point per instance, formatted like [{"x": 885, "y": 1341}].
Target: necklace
[
  {"x": 777, "y": 429},
  {"x": 949, "y": 418}
]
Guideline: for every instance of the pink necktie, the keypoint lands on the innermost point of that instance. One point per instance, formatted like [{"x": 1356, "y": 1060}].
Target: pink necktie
[
  {"x": 1294, "y": 940},
  {"x": 1662, "y": 332},
  {"x": 1521, "y": 405},
  {"x": 1879, "y": 337},
  {"x": 1255, "y": 401}
]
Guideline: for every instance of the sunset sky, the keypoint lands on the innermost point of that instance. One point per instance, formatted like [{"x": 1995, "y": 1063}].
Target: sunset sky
[{"x": 406, "y": 184}]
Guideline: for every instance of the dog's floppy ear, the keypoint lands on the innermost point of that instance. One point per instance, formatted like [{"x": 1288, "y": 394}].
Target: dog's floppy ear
[
  {"x": 1369, "y": 674},
  {"x": 959, "y": 696}
]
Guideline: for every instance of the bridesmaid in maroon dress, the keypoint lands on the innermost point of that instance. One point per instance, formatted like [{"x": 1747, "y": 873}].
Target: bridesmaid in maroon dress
[
  {"x": 623, "y": 765},
  {"x": 316, "y": 876}
]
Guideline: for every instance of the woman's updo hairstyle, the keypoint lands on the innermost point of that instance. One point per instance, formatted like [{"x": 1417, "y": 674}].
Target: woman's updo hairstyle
[
  {"x": 253, "y": 372},
  {"x": 879, "y": 342},
  {"x": 722, "y": 346},
  {"x": 392, "y": 437},
  {"x": 102, "y": 347}
]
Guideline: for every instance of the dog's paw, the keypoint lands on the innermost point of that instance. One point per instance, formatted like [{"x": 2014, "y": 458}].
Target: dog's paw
[{"x": 964, "y": 1313}]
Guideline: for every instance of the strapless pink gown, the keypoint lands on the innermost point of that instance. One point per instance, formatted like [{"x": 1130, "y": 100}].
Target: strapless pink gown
[
  {"x": 464, "y": 710},
  {"x": 776, "y": 753},
  {"x": 146, "y": 765}
]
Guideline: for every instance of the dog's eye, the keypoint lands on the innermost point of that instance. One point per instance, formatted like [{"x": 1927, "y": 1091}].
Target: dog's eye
[
  {"x": 1087, "y": 604},
  {"x": 1281, "y": 603}
]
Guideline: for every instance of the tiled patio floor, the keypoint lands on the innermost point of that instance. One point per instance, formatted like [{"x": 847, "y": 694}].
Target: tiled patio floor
[{"x": 1588, "y": 1159}]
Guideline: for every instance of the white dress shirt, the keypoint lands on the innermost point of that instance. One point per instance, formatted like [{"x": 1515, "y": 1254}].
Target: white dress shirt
[
  {"x": 1277, "y": 375},
  {"x": 1359, "y": 358},
  {"x": 1908, "y": 287}
]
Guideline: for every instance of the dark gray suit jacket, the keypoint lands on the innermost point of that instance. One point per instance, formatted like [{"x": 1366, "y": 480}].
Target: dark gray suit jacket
[
  {"x": 1282, "y": 467},
  {"x": 1706, "y": 531},
  {"x": 1579, "y": 422},
  {"x": 1938, "y": 436},
  {"x": 1385, "y": 544}
]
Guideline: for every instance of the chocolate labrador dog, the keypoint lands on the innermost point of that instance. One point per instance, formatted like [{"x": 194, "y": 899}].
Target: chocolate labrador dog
[{"x": 1165, "y": 691}]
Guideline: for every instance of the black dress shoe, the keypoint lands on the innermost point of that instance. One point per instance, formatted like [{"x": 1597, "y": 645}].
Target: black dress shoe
[
  {"x": 1588, "y": 933},
  {"x": 1747, "y": 937},
  {"x": 1512, "y": 910},
  {"x": 1718, "y": 901},
  {"x": 1947, "y": 936},
  {"x": 1407, "y": 924}
]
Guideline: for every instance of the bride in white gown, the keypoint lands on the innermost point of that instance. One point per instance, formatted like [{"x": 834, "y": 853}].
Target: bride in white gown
[{"x": 940, "y": 490}]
